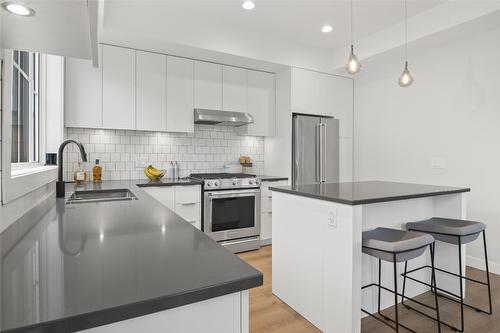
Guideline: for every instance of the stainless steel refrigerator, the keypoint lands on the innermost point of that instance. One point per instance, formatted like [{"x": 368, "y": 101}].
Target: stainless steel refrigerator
[{"x": 315, "y": 149}]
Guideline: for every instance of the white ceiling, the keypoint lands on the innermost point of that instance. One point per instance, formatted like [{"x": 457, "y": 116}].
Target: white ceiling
[
  {"x": 293, "y": 21},
  {"x": 59, "y": 27}
]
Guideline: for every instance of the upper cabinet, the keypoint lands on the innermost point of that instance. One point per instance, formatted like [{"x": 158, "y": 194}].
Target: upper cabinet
[
  {"x": 180, "y": 100},
  {"x": 207, "y": 85},
  {"x": 234, "y": 89},
  {"x": 82, "y": 93},
  {"x": 151, "y": 91},
  {"x": 118, "y": 87},
  {"x": 138, "y": 90},
  {"x": 261, "y": 97},
  {"x": 324, "y": 94}
]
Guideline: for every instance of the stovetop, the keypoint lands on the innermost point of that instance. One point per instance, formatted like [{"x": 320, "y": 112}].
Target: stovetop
[
  {"x": 221, "y": 181},
  {"x": 221, "y": 175}
]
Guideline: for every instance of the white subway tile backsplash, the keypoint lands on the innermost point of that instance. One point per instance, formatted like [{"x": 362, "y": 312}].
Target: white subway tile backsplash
[{"x": 122, "y": 152}]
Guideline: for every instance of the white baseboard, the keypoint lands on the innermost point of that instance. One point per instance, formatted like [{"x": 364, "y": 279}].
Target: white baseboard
[
  {"x": 479, "y": 264},
  {"x": 264, "y": 242}
]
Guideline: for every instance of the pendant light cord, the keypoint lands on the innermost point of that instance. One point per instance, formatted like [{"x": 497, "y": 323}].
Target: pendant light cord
[
  {"x": 352, "y": 25},
  {"x": 406, "y": 29}
]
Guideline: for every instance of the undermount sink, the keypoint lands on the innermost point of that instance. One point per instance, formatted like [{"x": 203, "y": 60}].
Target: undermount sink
[{"x": 101, "y": 196}]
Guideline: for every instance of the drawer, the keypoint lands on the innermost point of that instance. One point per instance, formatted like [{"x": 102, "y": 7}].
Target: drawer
[
  {"x": 266, "y": 225},
  {"x": 189, "y": 211},
  {"x": 266, "y": 204},
  {"x": 187, "y": 194},
  {"x": 264, "y": 189},
  {"x": 196, "y": 224}
]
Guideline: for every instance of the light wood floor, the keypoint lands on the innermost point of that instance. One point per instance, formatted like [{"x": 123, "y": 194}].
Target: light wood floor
[{"x": 269, "y": 314}]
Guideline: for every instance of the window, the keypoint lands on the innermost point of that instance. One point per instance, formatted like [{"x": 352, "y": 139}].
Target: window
[{"x": 25, "y": 109}]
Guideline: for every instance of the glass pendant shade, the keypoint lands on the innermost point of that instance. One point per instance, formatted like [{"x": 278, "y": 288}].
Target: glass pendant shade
[
  {"x": 406, "y": 79},
  {"x": 353, "y": 64}
]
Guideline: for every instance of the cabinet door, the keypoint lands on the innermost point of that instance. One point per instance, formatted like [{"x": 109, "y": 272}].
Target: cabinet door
[
  {"x": 304, "y": 96},
  {"x": 261, "y": 104},
  {"x": 151, "y": 91},
  {"x": 83, "y": 93},
  {"x": 118, "y": 87},
  {"x": 234, "y": 89},
  {"x": 180, "y": 85},
  {"x": 207, "y": 85},
  {"x": 164, "y": 194}
]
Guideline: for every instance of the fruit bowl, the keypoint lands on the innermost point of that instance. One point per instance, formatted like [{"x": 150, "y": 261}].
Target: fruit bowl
[{"x": 154, "y": 174}]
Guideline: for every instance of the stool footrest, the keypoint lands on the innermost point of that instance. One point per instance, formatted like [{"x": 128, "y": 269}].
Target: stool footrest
[
  {"x": 388, "y": 319},
  {"x": 443, "y": 291}
]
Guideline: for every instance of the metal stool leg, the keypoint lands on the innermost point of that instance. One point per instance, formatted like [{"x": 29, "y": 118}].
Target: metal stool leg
[
  {"x": 396, "y": 293},
  {"x": 487, "y": 271},
  {"x": 460, "y": 273},
  {"x": 433, "y": 282},
  {"x": 379, "y": 283},
  {"x": 404, "y": 284}
]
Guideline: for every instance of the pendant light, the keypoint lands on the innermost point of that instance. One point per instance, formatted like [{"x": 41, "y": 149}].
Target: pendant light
[
  {"x": 406, "y": 79},
  {"x": 353, "y": 64}
]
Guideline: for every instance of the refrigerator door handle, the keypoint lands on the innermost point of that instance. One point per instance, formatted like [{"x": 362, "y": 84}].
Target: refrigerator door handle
[
  {"x": 323, "y": 153},
  {"x": 318, "y": 154},
  {"x": 295, "y": 152}
]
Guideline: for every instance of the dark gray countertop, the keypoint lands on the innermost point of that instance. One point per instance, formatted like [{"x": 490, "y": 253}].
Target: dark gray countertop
[
  {"x": 358, "y": 193},
  {"x": 72, "y": 267}
]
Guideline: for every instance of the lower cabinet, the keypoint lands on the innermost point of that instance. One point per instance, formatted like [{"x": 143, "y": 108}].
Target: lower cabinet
[
  {"x": 184, "y": 200},
  {"x": 266, "y": 210}
]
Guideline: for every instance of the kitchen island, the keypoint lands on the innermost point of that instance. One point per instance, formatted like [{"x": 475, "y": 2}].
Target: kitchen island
[
  {"x": 318, "y": 266},
  {"x": 121, "y": 266}
]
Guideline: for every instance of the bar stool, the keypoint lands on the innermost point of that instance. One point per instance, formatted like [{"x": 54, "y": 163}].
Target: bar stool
[
  {"x": 396, "y": 246},
  {"x": 457, "y": 232}
]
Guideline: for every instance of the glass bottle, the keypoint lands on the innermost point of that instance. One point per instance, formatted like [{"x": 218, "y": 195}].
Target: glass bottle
[
  {"x": 80, "y": 175},
  {"x": 97, "y": 172}
]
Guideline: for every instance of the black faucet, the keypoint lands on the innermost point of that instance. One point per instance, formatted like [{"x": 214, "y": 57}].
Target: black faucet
[{"x": 60, "y": 184}]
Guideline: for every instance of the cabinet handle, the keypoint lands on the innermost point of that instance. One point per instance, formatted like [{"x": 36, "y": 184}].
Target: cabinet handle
[{"x": 188, "y": 203}]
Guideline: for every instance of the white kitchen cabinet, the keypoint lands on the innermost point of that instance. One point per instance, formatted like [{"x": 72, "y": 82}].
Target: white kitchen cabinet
[
  {"x": 261, "y": 96},
  {"x": 184, "y": 200},
  {"x": 151, "y": 91},
  {"x": 323, "y": 94},
  {"x": 118, "y": 87},
  {"x": 180, "y": 85},
  {"x": 164, "y": 194},
  {"x": 207, "y": 85},
  {"x": 234, "y": 89},
  {"x": 82, "y": 93},
  {"x": 266, "y": 211}
]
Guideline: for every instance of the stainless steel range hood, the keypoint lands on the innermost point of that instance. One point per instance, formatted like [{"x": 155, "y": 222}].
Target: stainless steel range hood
[{"x": 217, "y": 117}]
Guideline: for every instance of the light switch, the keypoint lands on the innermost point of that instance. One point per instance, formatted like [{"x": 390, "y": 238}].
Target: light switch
[{"x": 332, "y": 218}]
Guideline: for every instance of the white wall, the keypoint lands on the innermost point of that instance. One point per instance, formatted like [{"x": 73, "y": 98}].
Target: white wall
[{"x": 451, "y": 112}]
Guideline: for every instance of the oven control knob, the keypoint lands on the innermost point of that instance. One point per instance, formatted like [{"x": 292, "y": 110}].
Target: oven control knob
[
  {"x": 251, "y": 181},
  {"x": 257, "y": 181},
  {"x": 235, "y": 181},
  {"x": 216, "y": 183},
  {"x": 210, "y": 183}
]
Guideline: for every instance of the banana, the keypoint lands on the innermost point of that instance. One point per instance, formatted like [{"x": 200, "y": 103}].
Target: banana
[{"x": 153, "y": 173}]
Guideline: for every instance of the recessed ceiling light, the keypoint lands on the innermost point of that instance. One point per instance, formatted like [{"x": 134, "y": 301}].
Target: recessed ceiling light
[
  {"x": 18, "y": 9},
  {"x": 248, "y": 5},
  {"x": 326, "y": 28}
]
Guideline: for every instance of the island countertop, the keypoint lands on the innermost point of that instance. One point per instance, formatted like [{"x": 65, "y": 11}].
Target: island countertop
[
  {"x": 73, "y": 267},
  {"x": 367, "y": 192}
]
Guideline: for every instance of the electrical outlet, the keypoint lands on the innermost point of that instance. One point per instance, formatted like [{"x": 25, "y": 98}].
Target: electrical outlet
[
  {"x": 141, "y": 163},
  {"x": 332, "y": 218},
  {"x": 438, "y": 163}
]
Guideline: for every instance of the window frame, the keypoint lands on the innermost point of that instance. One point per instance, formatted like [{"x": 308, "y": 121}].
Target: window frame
[
  {"x": 18, "y": 180},
  {"x": 34, "y": 78}
]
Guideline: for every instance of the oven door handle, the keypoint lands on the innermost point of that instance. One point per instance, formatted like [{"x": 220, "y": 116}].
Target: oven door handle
[{"x": 233, "y": 194}]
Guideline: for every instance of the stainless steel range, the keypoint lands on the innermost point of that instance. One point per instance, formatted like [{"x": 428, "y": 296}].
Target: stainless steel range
[{"x": 231, "y": 209}]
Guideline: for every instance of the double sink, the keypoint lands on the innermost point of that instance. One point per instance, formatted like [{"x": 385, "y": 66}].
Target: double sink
[{"x": 101, "y": 196}]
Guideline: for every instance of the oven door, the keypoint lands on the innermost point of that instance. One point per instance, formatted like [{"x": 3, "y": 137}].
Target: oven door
[{"x": 232, "y": 214}]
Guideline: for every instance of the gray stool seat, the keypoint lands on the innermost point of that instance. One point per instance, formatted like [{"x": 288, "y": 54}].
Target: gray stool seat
[
  {"x": 448, "y": 230},
  {"x": 389, "y": 244}
]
